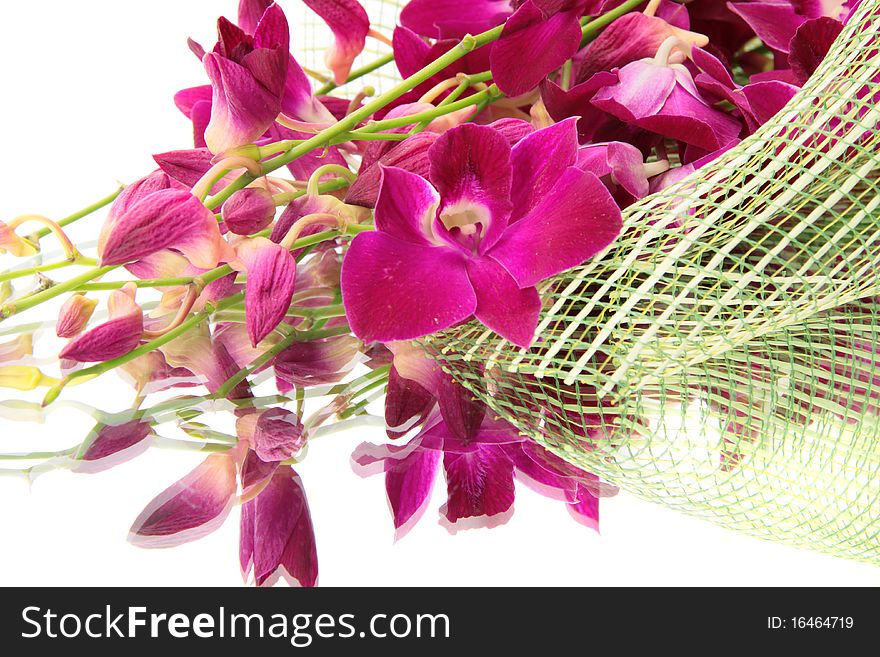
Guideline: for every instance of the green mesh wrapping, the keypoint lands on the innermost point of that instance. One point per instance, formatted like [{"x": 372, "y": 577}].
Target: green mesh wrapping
[{"x": 722, "y": 356}]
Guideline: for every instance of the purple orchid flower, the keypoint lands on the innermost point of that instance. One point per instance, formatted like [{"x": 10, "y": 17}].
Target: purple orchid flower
[
  {"x": 277, "y": 537},
  {"x": 248, "y": 75},
  {"x": 495, "y": 221},
  {"x": 659, "y": 96},
  {"x": 776, "y": 21}
]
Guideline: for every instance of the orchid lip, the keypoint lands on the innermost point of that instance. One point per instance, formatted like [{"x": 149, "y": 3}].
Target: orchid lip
[{"x": 465, "y": 224}]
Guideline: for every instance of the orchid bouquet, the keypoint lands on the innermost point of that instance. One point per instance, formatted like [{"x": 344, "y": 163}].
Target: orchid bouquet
[{"x": 569, "y": 242}]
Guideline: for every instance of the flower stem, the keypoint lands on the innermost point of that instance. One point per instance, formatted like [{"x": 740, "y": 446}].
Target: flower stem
[
  {"x": 357, "y": 73},
  {"x": 97, "y": 205},
  {"x": 20, "y": 273},
  {"x": 19, "y": 305},
  {"x": 324, "y": 138}
]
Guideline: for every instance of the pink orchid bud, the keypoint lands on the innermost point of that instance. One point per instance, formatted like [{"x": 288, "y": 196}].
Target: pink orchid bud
[
  {"x": 277, "y": 537},
  {"x": 152, "y": 373},
  {"x": 111, "y": 444},
  {"x": 189, "y": 509},
  {"x": 248, "y": 74},
  {"x": 350, "y": 24},
  {"x": 320, "y": 271},
  {"x": 248, "y": 211},
  {"x": 14, "y": 350},
  {"x": 234, "y": 337},
  {"x": 74, "y": 316},
  {"x": 166, "y": 218},
  {"x": 116, "y": 337},
  {"x": 271, "y": 276},
  {"x": 15, "y": 245},
  {"x": 275, "y": 434}
]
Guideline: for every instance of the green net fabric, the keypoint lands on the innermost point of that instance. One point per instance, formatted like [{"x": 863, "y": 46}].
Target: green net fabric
[{"x": 722, "y": 356}]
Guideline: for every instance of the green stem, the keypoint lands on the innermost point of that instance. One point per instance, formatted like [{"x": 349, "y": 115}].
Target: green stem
[
  {"x": 590, "y": 29},
  {"x": 97, "y": 205},
  {"x": 357, "y": 73},
  {"x": 324, "y": 138},
  {"x": 492, "y": 93},
  {"x": 19, "y": 305},
  {"x": 20, "y": 273}
]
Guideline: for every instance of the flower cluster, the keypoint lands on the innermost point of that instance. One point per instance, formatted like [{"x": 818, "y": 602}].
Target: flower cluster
[{"x": 311, "y": 234}]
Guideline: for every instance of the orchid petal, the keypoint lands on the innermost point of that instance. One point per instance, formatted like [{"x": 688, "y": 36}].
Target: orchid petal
[
  {"x": 74, "y": 316},
  {"x": 317, "y": 362},
  {"x": 349, "y": 23},
  {"x": 278, "y": 435},
  {"x": 168, "y": 218},
  {"x": 537, "y": 162},
  {"x": 548, "y": 40},
  {"x": 479, "y": 483},
  {"x": 574, "y": 222},
  {"x": 190, "y": 508},
  {"x": 406, "y": 404},
  {"x": 250, "y": 12},
  {"x": 271, "y": 277},
  {"x": 501, "y": 305},
  {"x": 394, "y": 290},
  {"x": 408, "y": 483},
  {"x": 774, "y": 22},
  {"x": 248, "y": 210},
  {"x": 810, "y": 44},
  {"x": 406, "y": 206},
  {"x": 106, "y": 440},
  {"x": 453, "y": 18}
]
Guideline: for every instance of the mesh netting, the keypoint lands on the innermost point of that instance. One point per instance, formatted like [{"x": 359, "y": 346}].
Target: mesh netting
[{"x": 721, "y": 357}]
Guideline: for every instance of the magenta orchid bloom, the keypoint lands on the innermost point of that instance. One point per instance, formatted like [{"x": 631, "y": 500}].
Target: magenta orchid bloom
[
  {"x": 453, "y": 19},
  {"x": 248, "y": 75},
  {"x": 660, "y": 96},
  {"x": 495, "y": 221},
  {"x": 776, "y": 21}
]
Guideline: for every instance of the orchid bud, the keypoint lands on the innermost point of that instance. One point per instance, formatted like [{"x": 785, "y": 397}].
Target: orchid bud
[
  {"x": 74, "y": 316},
  {"x": 15, "y": 245},
  {"x": 117, "y": 336},
  {"x": 275, "y": 434},
  {"x": 5, "y": 291},
  {"x": 248, "y": 211}
]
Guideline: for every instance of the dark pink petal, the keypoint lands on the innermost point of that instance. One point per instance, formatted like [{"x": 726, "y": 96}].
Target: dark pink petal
[
  {"x": 810, "y": 44},
  {"x": 408, "y": 483},
  {"x": 108, "y": 439},
  {"x": 249, "y": 13},
  {"x": 576, "y": 102},
  {"x": 513, "y": 130},
  {"x": 406, "y": 404},
  {"x": 620, "y": 160},
  {"x": 501, "y": 305},
  {"x": 190, "y": 508},
  {"x": 575, "y": 221},
  {"x": 548, "y": 41},
  {"x": 641, "y": 91},
  {"x": 631, "y": 37},
  {"x": 470, "y": 167},
  {"x": 478, "y": 483},
  {"x": 394, "y": 290},
  {"x": 317, "y": 362},
  {"x": 278, "y": 435},
  {"x": 116, "y": 337},
  {"x": 406, "y": 206},
  {"x": 186, "y": 166},
  {"x": 272, "y": 35},
  {"x": 537, "y": 162},
  {"x": 453, "y": 18},
  {"x": 276, "y": 532},
  {"x": 774, "y": 22},
  {"x": 187, "y": 99},
  {"x": 349, "y": 23},
  {"x": 241, "y": 109},
  {"x": 462, "y": 412},
  {"x": 410, "y": 51},
  {"x": 765, "y": 99},
  {"x": 271, "y": 277},
  {"x": 168, "y": 218},
  {"x": 410, "y": 155},
  {"x": 248, "y": 210}
]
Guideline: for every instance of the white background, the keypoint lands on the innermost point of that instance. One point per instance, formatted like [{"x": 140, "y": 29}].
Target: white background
[{"x": 87, "y": 97}]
